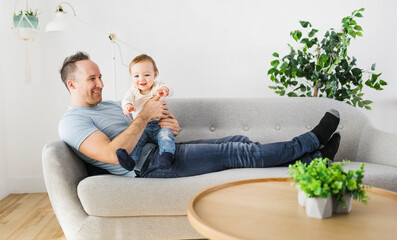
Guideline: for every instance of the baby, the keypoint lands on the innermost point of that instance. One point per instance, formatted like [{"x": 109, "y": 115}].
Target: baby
[{"x": 144, "y": 71}]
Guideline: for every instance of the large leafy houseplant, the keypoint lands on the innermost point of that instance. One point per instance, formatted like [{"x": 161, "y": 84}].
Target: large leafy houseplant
[{"x": 322, "y": 68}]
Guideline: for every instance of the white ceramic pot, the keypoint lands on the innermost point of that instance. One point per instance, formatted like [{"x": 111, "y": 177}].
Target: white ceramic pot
[
  {"x": 338, "y": 207},
  {"x": 317, "y": 207},
  {"x": 301, "y": 198}
]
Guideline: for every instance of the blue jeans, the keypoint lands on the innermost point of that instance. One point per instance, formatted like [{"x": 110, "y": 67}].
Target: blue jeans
[
  {"x": 212, "y": 155},
  {"x": 153, "y": 133}
]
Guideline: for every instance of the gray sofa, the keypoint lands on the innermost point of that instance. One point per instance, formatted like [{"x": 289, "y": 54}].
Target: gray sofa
[{"x": 113, "y": 207}]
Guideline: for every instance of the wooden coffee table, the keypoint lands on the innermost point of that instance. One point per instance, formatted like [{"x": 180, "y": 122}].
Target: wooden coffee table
[{"x": 268, "y": 209}]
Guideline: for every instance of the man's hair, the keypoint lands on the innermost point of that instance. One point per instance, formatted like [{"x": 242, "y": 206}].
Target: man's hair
[
  {"x": 142, "y": 58},
  {"x": 69, "y": 66}
]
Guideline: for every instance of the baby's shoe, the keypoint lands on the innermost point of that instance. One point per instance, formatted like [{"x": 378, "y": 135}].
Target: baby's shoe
[{"x": 125, "y": 159}]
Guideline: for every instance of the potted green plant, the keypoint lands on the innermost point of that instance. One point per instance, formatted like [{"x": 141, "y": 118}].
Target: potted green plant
[
  {"x": 347, "y": 185},
  {"x": 26, "y": 19},
  {"x": 321, "y": 67},
  {"x": 328, "y": 188},
  {"x": 314, "y": 180}
]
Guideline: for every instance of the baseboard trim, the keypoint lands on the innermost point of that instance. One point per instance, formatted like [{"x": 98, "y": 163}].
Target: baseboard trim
[{"x": 27, "y": 185}]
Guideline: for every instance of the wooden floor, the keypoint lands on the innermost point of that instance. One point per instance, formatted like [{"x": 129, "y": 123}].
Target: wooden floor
[{"x": 28, "y": 216}]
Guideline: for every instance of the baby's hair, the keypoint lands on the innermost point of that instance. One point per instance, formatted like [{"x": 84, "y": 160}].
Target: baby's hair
[{"x": 142, "y": 58}]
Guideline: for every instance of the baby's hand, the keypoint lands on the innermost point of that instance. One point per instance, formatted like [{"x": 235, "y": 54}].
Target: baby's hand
[
  {"x": 128, "y": 108},
  {"x": 163, "y": 92}
]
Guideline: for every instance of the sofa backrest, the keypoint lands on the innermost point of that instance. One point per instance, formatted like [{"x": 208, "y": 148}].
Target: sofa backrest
[{"x": 265, "y": 120}]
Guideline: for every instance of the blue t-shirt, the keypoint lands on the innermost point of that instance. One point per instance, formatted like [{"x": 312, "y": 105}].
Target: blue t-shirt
[{"x": 80, "y": 122}]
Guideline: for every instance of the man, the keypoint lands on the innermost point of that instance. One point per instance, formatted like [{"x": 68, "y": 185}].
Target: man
[{"x": 95, "y": 129}]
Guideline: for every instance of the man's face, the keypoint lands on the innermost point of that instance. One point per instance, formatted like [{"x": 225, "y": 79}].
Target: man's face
[{"x": 86, "y": 88}]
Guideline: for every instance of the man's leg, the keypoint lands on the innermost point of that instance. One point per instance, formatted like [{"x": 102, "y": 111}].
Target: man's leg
[
  {"x": 328, "y": 151},
  {"x": 195, "y": 159},
  {"x": 235, "y": 138}
]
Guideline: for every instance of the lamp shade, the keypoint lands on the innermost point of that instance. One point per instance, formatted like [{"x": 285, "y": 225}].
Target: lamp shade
[{"x": 61, "y": 22}]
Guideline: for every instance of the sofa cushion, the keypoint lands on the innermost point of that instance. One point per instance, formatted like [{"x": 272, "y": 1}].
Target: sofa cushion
[
  {"x": 109, "y": 195},
  {"x": 112, "y": 196}
]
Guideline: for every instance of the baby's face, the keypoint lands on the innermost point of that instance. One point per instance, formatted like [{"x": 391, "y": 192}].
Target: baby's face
[{"x": 143, "y": 76}]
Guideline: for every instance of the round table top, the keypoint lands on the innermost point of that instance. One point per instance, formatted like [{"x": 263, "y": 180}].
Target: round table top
[{"x": 268, "y": 209}]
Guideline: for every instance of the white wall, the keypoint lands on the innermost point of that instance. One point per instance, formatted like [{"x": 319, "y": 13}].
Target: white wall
[
  {"x": 4, "y": 183},
  {"x": 4, "y": 189},
  {"x": 207, "y": 48}
]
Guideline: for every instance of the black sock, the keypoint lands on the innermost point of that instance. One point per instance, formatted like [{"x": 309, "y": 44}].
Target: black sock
[
  {"x": 166, "y": 160},
  {"x": 331, "y": 148},
  {"x": 125, "y": 159},
  {"x": 327, "y": 126}
]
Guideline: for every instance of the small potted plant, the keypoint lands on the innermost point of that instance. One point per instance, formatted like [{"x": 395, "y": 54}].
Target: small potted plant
[
  {"x": 347, "y": 185},
  {"x": 328, "y": 188},
  {"x": 314, "y": 180},
  {"x": 26, "y": 19}
]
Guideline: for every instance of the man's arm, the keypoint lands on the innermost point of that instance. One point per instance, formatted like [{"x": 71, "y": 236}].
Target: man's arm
[{"x": 99, "y": 147}]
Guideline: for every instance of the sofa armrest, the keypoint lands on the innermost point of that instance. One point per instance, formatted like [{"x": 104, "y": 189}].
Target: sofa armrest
[
  {"x": 376, "y": 146},
  {"x": 63, "y": 170}
]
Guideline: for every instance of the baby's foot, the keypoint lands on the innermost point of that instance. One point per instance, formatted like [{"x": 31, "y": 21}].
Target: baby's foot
[
  {"x": 125, "y": 159},
  {"x": 166, "y": 160},
  {"x": 327, "y": 126}
]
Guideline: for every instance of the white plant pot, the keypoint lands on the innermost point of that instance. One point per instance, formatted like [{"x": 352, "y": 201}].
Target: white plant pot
[
  {"x": 338, "y": 207},
  {"x": 317, "y": 207},
  {"x": 301, "y": 198}
]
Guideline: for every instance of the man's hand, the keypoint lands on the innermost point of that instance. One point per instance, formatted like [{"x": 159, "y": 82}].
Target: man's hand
[
  {"x": 154, "y": 109},
  {"x": 171, "y": 123}
]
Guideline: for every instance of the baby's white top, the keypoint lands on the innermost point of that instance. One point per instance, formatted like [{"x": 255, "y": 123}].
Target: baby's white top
[{"x": 134, "y": 97}]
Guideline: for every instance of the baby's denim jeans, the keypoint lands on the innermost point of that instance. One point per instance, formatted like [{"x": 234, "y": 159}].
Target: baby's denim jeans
[{"x": 153, "y": 133}]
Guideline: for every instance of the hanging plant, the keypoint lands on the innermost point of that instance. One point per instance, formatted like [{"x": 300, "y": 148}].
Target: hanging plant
[
  {"x": 322, "y": 68},
  {"x": 26, "y": 19}
]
